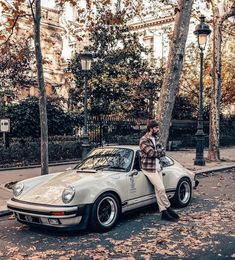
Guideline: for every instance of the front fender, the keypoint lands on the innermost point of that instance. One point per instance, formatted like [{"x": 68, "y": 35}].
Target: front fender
[{"x": 91, "y": 192}]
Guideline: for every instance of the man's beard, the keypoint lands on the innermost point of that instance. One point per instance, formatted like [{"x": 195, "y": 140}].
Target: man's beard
[{"x": 155, "y": 134}]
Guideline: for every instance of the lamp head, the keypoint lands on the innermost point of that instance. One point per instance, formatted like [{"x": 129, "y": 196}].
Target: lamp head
[
  {"x": 202, "y": 30},
  {"x": 86, "y": 59}
]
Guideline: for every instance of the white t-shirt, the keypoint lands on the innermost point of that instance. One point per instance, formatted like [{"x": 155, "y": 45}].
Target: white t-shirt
[{"x": 158, "y": 166}]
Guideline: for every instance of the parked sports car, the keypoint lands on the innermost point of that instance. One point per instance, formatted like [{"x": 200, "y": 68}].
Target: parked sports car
[{"x": 97, "y": 191}]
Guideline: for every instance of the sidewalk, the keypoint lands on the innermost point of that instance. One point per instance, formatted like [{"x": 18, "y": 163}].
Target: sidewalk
[{"x": 185, "y": 157}]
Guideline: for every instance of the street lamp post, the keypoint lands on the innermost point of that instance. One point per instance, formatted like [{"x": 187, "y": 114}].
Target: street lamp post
[
  {"x": 86, "y": 59},
  {"x": 101, "y": 121},
  {"x": 202, "y": 30}
]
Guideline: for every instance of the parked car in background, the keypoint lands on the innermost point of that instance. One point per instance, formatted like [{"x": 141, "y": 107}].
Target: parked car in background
[{"x": 107, "y": 183}]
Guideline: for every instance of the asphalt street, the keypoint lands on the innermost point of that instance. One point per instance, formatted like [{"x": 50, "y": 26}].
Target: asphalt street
[{"x": 206, "y": 230}]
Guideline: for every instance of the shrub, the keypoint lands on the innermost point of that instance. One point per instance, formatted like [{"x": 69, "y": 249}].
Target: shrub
[
  {"x": 59, "y": 151},
  {"x": 25, "y": 119},
  {"x": 27, "y": 152}
]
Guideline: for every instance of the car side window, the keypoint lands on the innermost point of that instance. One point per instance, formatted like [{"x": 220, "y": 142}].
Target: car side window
[
  {"x": 136, "y": 165},
  {"x": 166, "y": 161}
]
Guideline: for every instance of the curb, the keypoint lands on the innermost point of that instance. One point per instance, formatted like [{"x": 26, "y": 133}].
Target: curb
[
  {"x": 5, "y": 212},
  {"x": 217, "y": 169},
  {"x": 38, "y": 166}
]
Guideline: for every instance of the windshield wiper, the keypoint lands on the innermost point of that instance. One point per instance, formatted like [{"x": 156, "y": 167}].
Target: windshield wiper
[
  {"x": 107, "y": 167},
  {"x": 86, "y": 170},
  {"x": 101, "y": 167},
  {"x": 117, "y": 167}
]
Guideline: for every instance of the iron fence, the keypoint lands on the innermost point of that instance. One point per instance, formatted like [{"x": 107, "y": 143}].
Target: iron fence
[
  {"x": 114, "y": 129},
  {"x": 119, "y": 130}
]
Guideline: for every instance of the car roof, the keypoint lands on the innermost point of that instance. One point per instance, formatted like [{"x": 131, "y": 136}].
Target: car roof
[{"x": 133, "y": 147}]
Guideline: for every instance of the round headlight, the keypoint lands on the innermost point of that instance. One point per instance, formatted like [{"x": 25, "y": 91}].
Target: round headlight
[
  {"x": 18, "y": 188},
  {"x": 68, "y": 194}
]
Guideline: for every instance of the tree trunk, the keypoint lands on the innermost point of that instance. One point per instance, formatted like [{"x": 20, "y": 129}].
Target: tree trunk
[
  {"x": 174, "y": 66},
  {"x": 41, "y": 86},
  {"x": 214, "y": 128}
]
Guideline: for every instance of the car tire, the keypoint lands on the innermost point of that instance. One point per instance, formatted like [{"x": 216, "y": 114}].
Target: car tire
[
  {"x": 105, "y": 212},
  {"x": 183, "y": 193}
]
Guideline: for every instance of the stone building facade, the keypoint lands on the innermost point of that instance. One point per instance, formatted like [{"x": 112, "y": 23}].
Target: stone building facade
[
  {"x": 52, "y": 37},
  {"x": 154, "y": 34}
]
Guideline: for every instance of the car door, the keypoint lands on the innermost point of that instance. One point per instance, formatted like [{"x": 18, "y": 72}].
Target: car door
[{"x": 140, "y": 191}]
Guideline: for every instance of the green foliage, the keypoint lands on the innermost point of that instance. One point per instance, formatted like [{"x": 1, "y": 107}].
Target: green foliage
[
  {"x": 116, "y": 83},
  {"x": 227, "y": 130},
  {"x": 131, "y": 139},
  {"x": 67, "y": 150},
  {"x": 184, "y": 109},
  {"x": 25, "y": 120},
  {"x": 27, "y": 152}
]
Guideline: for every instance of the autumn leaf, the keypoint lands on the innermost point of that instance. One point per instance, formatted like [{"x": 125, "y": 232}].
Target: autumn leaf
[{"x": 5, "y": 7}]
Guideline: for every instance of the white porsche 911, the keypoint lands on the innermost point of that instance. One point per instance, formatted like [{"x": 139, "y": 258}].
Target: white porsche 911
[{"x": 97, "y": 191}]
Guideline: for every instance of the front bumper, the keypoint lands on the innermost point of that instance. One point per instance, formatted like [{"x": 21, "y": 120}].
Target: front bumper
[{"x": 58, "y": 217}]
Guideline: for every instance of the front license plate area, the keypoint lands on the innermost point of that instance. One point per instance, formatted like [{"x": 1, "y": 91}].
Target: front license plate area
[{"x": 30, "y": 219}]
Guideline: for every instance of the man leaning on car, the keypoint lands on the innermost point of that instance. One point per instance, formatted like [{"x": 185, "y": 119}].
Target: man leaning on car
[{"x": 151, "y": 151}]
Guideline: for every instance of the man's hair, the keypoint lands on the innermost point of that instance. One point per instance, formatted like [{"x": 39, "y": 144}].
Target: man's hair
[{"x": 152, "y": 124}]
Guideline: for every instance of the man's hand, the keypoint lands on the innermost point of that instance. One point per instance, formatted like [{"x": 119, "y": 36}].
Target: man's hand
[{"x": 160, "y": 152}]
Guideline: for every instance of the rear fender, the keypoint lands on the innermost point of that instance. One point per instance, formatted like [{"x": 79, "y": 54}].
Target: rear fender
[{"x": 172, "y": 177}]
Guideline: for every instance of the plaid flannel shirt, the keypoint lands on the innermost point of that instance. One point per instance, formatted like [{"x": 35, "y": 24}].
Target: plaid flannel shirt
[{"x": 149, "y": 153}]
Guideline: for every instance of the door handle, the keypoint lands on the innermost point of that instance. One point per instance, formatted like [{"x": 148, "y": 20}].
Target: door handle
[{"x": 134, "y": 172}]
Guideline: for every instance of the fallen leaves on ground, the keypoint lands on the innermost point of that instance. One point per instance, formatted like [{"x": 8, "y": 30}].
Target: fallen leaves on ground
[
  {"x": 195, "y": 231},
  {"x": 173, "y": 239}
]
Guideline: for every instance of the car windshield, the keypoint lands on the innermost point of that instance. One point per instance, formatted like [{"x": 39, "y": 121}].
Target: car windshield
[{"x": 108, "y": 159}]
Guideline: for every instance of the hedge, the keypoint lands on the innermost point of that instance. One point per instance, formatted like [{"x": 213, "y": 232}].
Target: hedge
[{"x": 21, "y": 152}]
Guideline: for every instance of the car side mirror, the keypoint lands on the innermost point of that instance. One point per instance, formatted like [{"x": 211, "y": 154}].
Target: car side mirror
[{"x": 133, "y": 173}]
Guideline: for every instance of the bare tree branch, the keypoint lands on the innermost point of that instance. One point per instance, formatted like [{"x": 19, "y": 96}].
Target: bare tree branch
[
  {"x": 31, "y": 8},
  {"x": 227, "y": 15}
]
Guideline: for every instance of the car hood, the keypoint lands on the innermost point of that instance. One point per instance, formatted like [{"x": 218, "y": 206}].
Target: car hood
[{"x": 50, "y": 191}]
